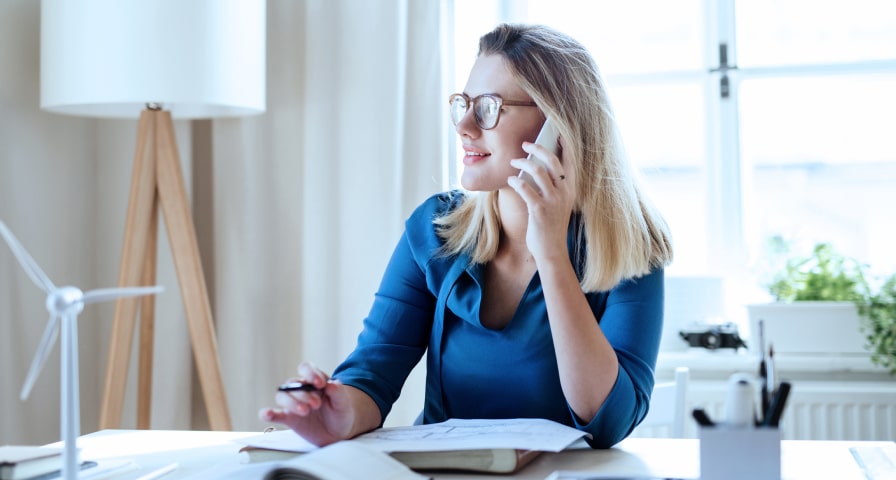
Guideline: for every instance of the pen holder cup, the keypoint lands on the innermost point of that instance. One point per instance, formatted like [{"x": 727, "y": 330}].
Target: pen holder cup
[{"x": 748, "y": 453}]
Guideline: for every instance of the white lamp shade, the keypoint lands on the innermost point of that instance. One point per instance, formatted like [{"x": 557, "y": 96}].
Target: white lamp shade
[{"x": 109, "y": 58}]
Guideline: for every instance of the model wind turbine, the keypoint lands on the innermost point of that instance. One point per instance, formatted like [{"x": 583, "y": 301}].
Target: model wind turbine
[{"x": 64, "y": 304}]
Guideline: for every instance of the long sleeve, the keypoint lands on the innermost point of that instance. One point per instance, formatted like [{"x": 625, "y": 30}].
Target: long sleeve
[{"x": 632, "y": 321}]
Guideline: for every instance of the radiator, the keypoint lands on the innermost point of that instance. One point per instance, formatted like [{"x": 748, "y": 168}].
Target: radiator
[{"x": 817, "y": 410}]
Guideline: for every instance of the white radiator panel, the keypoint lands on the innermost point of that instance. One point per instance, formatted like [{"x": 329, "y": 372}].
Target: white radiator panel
[{"x": 817, "y": 410}]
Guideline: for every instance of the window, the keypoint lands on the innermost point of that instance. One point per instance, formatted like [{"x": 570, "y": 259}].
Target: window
[{"x": 799, "y": 143}]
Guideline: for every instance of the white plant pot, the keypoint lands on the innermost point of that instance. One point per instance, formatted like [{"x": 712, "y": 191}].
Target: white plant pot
[{"x": 818, "y": 328}]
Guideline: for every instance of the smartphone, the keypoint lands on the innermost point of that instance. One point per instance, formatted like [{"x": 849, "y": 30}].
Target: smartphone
[{"x": 548, "y": 138}]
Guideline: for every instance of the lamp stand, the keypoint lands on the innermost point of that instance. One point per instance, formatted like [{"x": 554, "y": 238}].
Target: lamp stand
[{"x": 156, "y": 182}]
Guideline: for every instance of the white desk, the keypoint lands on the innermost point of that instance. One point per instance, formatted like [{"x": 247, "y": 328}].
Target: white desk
[{"x": 196, "y": 451}]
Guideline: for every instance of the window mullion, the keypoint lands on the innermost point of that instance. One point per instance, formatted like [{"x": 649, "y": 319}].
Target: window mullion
[{"x": 725, "y": 174}]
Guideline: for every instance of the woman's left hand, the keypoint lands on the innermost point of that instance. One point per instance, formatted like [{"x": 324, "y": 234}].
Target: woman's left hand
[{"x": 549, "y": 205}]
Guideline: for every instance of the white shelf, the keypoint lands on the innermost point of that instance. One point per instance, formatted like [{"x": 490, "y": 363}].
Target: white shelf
[{"x": 713, "y": 362}]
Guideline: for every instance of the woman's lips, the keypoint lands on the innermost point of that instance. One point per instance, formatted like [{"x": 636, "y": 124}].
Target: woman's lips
[{"x": 472, "y": 156}]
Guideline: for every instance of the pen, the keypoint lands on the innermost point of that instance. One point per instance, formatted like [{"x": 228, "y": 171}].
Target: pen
[
  {"x": 159, "y": 473},
  {"x": 297, "y": 387},
  {"x": 763, "y": 373},
  {"x": 773, "y": 416},
  {"x": 763, "y": 388},
  {"x": 702, "y": 418},
  {"x": 772, "y": 371}
]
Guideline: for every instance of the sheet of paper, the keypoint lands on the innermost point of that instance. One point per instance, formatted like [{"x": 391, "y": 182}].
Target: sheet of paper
[
  {"x": 454, "y": 434},
  {"x": 878, "y": 462},
  {"x": 461, "y": 434}
]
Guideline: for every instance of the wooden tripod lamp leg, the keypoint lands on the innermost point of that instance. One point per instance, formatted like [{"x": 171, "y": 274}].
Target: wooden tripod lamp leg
[
  {"x": 136, "y": 234},
  {"x": 147, "y": 325},
  {"x": 185, "y": 252}
]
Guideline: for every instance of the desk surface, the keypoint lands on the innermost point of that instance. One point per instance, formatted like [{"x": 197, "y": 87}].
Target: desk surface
[{"x": 195, "y": 451}]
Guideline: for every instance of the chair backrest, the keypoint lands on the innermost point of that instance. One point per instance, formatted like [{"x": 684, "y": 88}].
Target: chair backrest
[{"x": 668, "y": 406}]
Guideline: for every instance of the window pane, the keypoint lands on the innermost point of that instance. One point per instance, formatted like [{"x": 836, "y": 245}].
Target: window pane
[
  {"x": 663, "y": 126},
  {"x": 632, "y": 36},
  {"x": 800, "y": 32},
  {"x": 823, "y": 163}
]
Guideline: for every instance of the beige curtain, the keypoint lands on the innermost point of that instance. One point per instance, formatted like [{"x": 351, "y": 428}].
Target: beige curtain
[{"x": 297, "y": 209}]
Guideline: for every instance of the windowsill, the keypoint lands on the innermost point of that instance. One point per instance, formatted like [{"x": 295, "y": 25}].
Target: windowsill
[{"x": 709, "y": 363}]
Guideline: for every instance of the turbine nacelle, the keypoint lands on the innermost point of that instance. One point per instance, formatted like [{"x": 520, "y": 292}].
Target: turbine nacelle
[{"x": 65, "y": 301}]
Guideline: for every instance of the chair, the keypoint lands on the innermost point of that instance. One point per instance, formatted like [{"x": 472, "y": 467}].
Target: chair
[{"x": 668, "y": 407}]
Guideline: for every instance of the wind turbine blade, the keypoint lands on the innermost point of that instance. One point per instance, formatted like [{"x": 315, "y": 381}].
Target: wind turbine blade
[
  {"x": 28, "y": 264},
  {"x": 105, "y": 294},
  {"x": 40, "y": 357}
]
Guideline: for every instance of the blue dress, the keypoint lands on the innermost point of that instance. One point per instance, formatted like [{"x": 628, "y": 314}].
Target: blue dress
[{"x": 429, "y": 303}]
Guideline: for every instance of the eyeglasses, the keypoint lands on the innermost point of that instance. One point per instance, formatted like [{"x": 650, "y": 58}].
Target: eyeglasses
[{"x": 486, "y": 108}]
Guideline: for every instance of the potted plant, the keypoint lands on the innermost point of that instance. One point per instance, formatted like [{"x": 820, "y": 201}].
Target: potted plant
[
  {"x": 824, "y": 304},
  {"x": 815, "y": 296}
]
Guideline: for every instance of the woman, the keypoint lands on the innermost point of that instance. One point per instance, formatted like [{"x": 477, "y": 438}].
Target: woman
[{"x": 540, "y": 301}]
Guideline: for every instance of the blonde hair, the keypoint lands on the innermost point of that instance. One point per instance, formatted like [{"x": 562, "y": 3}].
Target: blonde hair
[{"x": 622, "y": 235}]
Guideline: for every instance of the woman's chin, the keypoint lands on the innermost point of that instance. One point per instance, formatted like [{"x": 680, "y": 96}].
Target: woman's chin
[
  {"x": 478, "y": 183},
  {"x": 474, "y": 186}
]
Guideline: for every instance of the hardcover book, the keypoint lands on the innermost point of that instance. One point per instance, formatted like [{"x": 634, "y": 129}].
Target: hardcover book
[
  {"x": 21, "y": 461},
  {"x": 489, "y": 460}
]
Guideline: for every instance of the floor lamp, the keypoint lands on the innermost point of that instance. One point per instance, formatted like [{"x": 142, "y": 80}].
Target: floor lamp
[{"x": 159, "y": 60}]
